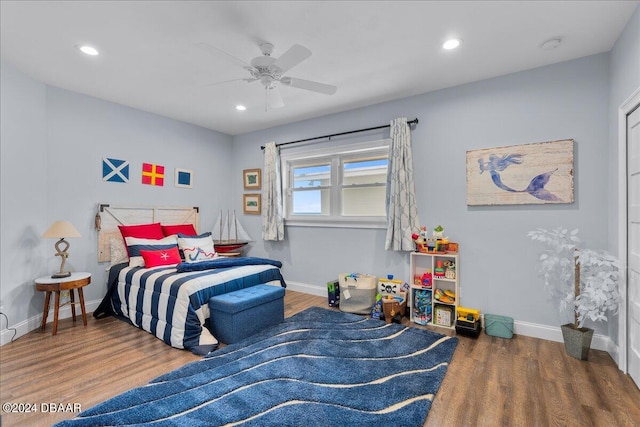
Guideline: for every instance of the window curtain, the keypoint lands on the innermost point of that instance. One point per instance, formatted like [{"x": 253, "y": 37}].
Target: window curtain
[
  {"x": 402, "y": 212},
  {"x": 272, "y": 219}
]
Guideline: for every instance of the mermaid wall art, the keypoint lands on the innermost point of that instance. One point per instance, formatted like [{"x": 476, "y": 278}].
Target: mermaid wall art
[{"x": 521, "y": 174}]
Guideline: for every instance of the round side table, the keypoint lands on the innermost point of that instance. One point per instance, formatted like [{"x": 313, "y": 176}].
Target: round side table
[{"x": 76, "y": 281}]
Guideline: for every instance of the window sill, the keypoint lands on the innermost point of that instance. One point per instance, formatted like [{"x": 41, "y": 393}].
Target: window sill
[{"x": 337, "y": 223}]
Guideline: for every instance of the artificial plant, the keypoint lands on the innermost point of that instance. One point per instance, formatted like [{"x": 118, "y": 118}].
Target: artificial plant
[{"x": 583, "y": 279}]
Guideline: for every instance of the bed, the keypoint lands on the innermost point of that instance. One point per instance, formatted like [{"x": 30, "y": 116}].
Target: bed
[{"x": 171, "y": 301}]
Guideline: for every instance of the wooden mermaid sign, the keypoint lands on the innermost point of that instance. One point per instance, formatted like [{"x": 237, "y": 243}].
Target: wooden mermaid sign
[{"x": 521, "y": 174}]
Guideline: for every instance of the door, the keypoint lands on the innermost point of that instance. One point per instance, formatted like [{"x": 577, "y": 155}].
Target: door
[{"x": 633, "y": 244}]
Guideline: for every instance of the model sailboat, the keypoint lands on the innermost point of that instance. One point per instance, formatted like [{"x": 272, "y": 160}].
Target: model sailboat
[{"x": 228, "y": 235}]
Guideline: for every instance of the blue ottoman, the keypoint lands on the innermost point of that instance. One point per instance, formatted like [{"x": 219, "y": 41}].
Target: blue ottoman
[{"x": 244, "y": 312}]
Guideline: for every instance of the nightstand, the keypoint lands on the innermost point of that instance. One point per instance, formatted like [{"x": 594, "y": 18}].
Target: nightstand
[{"x": 48, "y": 284}]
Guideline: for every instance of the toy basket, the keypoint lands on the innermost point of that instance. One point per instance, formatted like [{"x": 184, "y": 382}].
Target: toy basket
[{"x": 357, "y": 292}]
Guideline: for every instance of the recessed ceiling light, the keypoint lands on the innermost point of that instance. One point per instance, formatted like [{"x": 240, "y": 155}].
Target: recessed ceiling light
[
  {"x": 551, "y": 44},
  {"x": 89, "y": 50},
  {"x": 451, "y": 44},
  {"x": 240, "y": 107}
]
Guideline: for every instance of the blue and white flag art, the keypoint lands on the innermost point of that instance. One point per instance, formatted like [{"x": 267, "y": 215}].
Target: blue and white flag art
[{"x": 114, "y": 170}]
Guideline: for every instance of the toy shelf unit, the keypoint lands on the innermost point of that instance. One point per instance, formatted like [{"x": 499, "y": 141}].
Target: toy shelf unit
[{"x": 435, "y": 289}]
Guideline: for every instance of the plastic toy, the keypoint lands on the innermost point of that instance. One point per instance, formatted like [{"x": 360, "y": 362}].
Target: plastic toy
[
  {"x": 469, "y": 314},
  {"x": 446, "y": 296},
  {"x": 450, "y": 269},
  {"x": 405, "y": 287},
  {"x": 389, "y": 286},
  {"x": 468, "y": 321},
  {"x": 333, "y": 291},
  {"x": 426, "y": 280},
  {"x": 393, "y": 307},
  {"x": 376, "y": 310},
  {"x": 422, "y": 307},
  {"x": 439, "y": 270}
]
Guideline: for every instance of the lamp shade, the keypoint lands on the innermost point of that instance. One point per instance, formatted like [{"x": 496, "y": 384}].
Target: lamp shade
[{"x": 60, "y": 230}]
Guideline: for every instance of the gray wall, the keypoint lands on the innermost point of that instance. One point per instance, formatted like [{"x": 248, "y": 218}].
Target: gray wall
[
  {"x": 53, "y": 142},
  {"x": 23, "y": 192},
  {"x": 497, "y": 260}
]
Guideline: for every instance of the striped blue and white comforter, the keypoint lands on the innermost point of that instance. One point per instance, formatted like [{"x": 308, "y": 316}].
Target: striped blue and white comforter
[{"x": 173, "y": 305}]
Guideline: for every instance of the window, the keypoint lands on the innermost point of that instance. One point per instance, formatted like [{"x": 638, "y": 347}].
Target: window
[{"x": 338, "y": 185}]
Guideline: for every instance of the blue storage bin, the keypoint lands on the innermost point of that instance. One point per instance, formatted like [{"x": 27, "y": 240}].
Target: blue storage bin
[
  {"x": 239, "y": 314},
  {"x": 498, "y": 326}
]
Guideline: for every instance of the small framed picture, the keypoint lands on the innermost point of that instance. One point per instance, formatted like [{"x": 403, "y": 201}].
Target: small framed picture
[
  {"x": 251, "y": 204},
  {"x": 183, "y": 178},
  {"x": 252, "y": 179}
]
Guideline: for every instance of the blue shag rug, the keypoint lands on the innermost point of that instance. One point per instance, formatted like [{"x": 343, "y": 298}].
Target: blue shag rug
[{"x": 318, "y": 368}]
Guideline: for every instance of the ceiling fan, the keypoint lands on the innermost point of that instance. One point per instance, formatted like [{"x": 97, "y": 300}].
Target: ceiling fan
[{"x": 270, "y": 71}]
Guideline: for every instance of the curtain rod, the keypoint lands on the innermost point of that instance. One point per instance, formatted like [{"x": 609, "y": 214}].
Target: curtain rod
[{"x": 410, "y": 123}]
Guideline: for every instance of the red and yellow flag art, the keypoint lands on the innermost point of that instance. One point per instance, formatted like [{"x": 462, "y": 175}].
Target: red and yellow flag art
[{"x": 152, "y": 174}]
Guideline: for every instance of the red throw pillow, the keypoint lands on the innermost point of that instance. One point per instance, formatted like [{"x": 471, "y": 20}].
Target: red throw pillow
[
  {"x": 142, "y": 231},
  {"x": 160, "y": 257},
  {"x": 186, "y": 229}
]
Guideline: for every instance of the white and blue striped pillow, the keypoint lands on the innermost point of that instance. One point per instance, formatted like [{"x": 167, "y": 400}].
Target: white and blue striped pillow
[{"x": 136, "y": 244}]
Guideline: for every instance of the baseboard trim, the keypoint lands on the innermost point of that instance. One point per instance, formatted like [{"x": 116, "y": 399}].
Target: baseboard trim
[
  {"x": 307, "y": 289},
  {"x": 32, "y": 323}
]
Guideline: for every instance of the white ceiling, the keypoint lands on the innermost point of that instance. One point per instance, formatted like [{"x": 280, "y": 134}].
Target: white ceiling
[{"x": 373, "y": 51}]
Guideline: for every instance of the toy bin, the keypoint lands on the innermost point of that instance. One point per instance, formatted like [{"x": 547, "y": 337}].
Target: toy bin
[
  {"x": 498, "y": 326},
  {"x": 443, "y": 315},
  {"x": 357, "y": 292}
]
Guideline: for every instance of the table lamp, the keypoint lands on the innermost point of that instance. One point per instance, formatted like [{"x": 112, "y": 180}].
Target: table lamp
[{"x": 60, "y": 230}]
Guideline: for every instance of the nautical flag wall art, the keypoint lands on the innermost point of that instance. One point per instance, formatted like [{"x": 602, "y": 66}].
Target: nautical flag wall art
[
  {"x": 115, "y": 170},
  {"x": 153, "y": 174},
  {"x": 184, "y": 178}
]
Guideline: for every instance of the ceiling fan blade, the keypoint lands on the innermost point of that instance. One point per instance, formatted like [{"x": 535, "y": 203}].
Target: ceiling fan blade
[
  {"x": 274, "y": 99},
  {"x": 295, "y": 55},
  {"x": 229, "y": 81},
  {"x": 218, "y": 53},
  {"x": 309, "y": 85}
]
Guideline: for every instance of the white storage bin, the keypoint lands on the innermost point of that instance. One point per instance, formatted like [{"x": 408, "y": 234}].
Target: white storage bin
[{"x": 357, "y": 292}]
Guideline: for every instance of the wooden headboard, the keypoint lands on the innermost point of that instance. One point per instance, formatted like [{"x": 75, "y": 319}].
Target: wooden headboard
[{"x": 109, "y": 217}]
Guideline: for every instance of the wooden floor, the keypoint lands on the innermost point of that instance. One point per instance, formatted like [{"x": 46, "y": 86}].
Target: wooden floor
[{"x": 490, "y": 382}]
